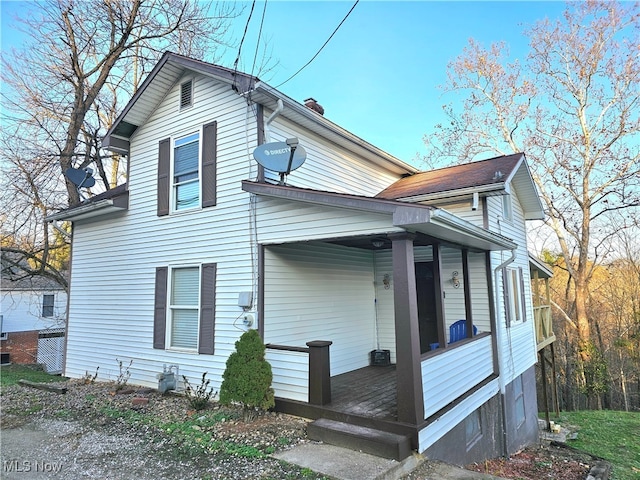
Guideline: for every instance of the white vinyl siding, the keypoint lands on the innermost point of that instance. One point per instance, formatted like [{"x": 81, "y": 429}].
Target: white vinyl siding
[
  {"x": 115, "y": 258},
  {"x": 330, "y": 169},
  {"x": 444, "y": 380},
  {"x": 321, "y": 292},
  {"x": 22, "y": 309}
]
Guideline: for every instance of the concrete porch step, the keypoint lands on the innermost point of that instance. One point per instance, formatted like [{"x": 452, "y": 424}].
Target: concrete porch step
[{"x": 363, "y": 439}]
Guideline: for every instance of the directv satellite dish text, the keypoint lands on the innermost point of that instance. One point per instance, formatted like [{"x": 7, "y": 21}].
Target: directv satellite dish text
[{"x": 274, "y": 156}]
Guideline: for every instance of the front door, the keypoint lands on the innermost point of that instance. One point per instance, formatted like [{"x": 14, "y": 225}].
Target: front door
[{"x": 426, "y": 297}]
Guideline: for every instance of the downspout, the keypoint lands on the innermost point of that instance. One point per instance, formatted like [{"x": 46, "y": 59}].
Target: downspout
[
  {"x": 59, "y": 229},
  {"x": 501, "y": 381},
  {"x": 272, "y": 117}
]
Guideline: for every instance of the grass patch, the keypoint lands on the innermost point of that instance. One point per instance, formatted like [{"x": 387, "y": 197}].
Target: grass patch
[
  {"x": 10, "y": 374},
  {"x": 612, "y": 435}
]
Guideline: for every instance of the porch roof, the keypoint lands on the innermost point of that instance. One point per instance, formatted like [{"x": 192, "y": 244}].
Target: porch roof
[{"x": 435, "y": 222}]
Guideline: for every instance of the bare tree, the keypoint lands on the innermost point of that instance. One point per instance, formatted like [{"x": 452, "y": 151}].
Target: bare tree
[
  {"x": 63, "y": 89},
  {"x": 574, "y": 108}
]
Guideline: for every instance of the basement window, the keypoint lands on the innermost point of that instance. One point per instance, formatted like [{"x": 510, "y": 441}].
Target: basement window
[{"x": 186, "y": 94}]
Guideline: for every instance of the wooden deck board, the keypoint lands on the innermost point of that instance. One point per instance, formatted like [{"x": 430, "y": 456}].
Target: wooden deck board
[{"x": 369, "y": 391}]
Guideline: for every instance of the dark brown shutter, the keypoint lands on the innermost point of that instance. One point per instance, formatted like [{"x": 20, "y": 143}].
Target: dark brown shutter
[
  {"x": 522, "y": 297},
  {"x": 164, "y": 170},
  {"x": 507, "y": 298},
  {"x": 209, "y": 154},
  {"x": 160, "y": 308},
  {"x": 207, "y": 308}
]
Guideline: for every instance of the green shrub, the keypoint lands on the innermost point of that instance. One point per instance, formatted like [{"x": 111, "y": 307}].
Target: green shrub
[{"x": 247, "y": 377}]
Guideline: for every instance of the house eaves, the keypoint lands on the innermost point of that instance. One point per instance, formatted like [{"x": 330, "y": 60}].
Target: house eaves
[
  {"x": 112, "y": 201},
  {"x": 475, "y": 178},
  {"x": 425, "y": 219},
  {"x": 172, "y": 67},
  {"x": 313, "y": 121},
  {"x": 536, "y": 265}
]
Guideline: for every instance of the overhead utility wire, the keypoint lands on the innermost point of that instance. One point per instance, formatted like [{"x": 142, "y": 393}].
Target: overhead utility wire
[
  {"x": 246, "y": 27},
  {"x": 324, "y": 45},
  {"x": 255, "y": 55}
]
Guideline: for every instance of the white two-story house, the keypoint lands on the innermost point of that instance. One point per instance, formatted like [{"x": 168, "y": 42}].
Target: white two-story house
[{"x": 393, "y": 301}]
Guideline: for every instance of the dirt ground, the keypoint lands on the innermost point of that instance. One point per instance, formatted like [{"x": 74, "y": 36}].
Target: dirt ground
[{"x": 88, "y": 433}]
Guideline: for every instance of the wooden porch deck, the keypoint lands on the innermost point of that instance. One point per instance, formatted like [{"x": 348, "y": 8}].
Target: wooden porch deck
[{"x": 366, "y": 392}]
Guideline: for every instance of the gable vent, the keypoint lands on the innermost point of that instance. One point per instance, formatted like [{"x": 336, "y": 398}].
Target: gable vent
[{"x": 186, "y": 94}]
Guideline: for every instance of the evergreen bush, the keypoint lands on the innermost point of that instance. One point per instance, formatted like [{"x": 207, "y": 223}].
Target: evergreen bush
[{"x": 247, "y": 377}]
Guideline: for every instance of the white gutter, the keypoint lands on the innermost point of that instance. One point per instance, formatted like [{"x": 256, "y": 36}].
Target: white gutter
[
  {"x": 272, "y": 117},
  {"x": 451, "y": 220},
  {"x": 83, "y": 211}
]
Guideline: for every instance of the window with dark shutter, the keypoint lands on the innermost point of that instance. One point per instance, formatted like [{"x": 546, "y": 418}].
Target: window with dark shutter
[
  {"x": 209, "y": 159},
  {"x": 186, "y": 94},
  {"x": 160, "y": 308},
  {"x": 207, "y": 309},
  {"x": 164, "y": 176}
]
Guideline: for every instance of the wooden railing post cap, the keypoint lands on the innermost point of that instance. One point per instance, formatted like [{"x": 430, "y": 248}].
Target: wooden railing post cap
[{"x": 319, "y": 343}]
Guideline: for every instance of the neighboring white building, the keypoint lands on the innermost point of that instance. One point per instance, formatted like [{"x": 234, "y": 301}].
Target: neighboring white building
[
  {"x": 358, "y": 265},
  {"x": 32, "y": 320}
]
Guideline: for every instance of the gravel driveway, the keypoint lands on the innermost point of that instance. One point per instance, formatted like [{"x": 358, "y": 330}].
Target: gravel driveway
[{"x": 90, "y": 433}]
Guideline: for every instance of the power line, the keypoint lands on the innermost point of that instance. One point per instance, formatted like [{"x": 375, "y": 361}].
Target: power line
[
  {"x": 324, "y": 45},
  {"x": 246, "y": 27},
  {"x": 255, "y": 55}
]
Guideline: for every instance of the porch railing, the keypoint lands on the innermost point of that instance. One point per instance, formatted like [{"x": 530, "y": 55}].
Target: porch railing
[
  {"x": 544, "y": 325},
  {"x": 287, "y": 374}
]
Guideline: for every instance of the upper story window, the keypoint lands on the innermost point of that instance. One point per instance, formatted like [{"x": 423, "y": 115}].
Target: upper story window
[
  {"x": 186, "y": 168},
  {"x": 507, "y": 208},
  {"x": 187, "y": 171},
  {"x": 47, "y": 305}
]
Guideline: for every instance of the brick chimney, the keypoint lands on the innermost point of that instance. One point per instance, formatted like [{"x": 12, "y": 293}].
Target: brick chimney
[{"x": 313, "y": 105}]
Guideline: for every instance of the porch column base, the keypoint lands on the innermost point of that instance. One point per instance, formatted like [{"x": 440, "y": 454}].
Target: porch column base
[{"x": 319, "y": 372}]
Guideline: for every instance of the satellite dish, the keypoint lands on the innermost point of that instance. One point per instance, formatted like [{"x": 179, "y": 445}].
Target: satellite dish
[
  {"x": 277, "y": 156},
  {"x": 80, "y": 177}
]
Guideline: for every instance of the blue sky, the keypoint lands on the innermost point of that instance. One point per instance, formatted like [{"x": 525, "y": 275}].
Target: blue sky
[{"x": 378, "y": 77}]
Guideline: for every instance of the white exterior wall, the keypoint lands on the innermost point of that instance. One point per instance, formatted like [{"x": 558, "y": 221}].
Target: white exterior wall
[
  {"x": 115, "y": 257},
  {"x": 328, "y": 169},
  {"x": 317, "y": 291},
  {"x": 517, "y": 343},
  {"x": 21, "y": 310}
]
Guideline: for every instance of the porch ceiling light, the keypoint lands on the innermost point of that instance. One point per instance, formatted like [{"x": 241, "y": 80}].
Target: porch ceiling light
[{"x": 377, "y": 243}]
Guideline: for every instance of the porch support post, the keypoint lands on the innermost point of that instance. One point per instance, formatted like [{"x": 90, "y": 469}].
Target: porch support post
[
  {"x": 319, "y": 372},
  {"x": 408, "y": 371}
]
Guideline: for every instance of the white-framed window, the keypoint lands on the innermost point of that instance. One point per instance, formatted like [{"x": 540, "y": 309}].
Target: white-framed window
[
  {"x": 186, "y": 172},
  {"x": 515, "y": 304},
  {"x": 48, "y": 302},
  {"x": 507, "y": 207},
  {"x": 184, "y": 308}
]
